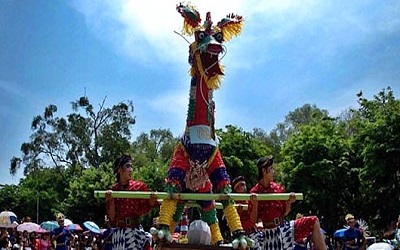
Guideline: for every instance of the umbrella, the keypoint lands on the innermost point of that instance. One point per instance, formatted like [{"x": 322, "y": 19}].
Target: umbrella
[
  {"x": 75, "y": 227},
  {"x": 380, "y": 246},
  {"x": 49, "y": 225},
  {"x": 41, "y": 230},
  {"x": 7, "y": 219},
  {"x": 67, "y": 222},
  {"x": 28, "y": 226},
  {"x": 339, "y": 233},
  {"x": 92, "y": 226}
]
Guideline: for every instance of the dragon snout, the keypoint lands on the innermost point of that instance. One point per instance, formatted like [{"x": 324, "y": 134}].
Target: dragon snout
[{"x": 214, "y": 48}]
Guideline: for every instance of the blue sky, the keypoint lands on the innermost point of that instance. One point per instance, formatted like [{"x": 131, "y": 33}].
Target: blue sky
[{"x": 290, "y": 53}]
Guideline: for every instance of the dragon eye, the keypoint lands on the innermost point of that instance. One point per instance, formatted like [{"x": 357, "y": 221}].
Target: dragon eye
[
  {"x": 201, "y": 35},
  {"x": 218, "y": 36}
]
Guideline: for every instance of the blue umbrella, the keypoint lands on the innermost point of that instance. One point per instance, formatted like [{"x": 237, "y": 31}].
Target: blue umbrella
[
  {"x": 92, "y": 226},
  {"x": 339, "y": 233},
  {"x": 8, "y": 219},
  {"x": 49, "y": 225}
]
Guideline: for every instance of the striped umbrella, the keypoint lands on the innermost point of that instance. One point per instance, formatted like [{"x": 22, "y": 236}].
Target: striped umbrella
[{"x": 8, "y": 219}]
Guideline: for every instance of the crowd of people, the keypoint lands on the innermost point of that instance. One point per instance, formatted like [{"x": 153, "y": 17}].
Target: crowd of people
[{"x": 11, "y": 239}]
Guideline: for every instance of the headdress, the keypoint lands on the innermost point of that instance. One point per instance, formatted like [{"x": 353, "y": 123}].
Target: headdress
[
  {"x": 60, "y": 216},
  {"x": 349, "y": 217},
  {"x": 120, "y": 161},
  {"x": 236, "y": 181},
  {"x": 265, "y": 162}
]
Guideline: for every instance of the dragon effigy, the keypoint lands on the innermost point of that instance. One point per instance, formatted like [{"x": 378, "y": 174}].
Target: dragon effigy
[{"x": 197, "y": 164}]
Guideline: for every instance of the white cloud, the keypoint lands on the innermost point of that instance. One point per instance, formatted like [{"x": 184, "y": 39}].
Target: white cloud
[{"x": 144, "y": 30}]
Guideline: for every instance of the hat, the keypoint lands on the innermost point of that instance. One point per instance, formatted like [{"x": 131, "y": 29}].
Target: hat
[
  {"x": 265, "y": 161},
  {"x": 120, "y": 161},
  {"x": 237, "y": 180}
]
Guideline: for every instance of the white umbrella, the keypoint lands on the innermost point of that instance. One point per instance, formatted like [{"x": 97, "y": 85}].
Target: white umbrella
[
  {"x": 380, "y": 246},
  {"x": 7, "y": 219},
  {"x": 28, "y": 226},
  {"x": 67, "y": 222}
]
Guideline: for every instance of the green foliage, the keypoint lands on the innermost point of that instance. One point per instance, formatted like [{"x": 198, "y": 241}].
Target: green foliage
[
  {"x": 317, "y": 162},
  {"x": 378, "y": 149},
  {"x": 80, "y": 203},
  {"x": 240, "y": 151}
]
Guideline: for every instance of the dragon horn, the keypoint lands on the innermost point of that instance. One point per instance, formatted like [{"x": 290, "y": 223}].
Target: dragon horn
[
  {"x": 231, "y": 26},
  {"x": 191, "y": 18}
]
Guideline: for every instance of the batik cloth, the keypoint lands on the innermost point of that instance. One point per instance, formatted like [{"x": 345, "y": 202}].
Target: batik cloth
[{"x": 130, "y": 239}]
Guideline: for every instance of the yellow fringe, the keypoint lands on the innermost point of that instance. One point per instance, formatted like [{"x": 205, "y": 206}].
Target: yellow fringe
[
  {"x": 233, "y": 219},
  {"x": 213, "y": 82},
  {"x": 231, "y": 29},
  {"x": 167, "y": 211},
  {"x": 216, "y": 235},
  {"x": 187, "y": 28}
]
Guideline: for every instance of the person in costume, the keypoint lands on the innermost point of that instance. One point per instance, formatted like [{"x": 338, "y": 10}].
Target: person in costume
[
  {"x": 279, "y": 234},
  {"x": 124, "y": 214},
  {"x": 197, "y": 165},
  {"x": 353, "y": 238},
  {"x": 60, "y": 235},
  {"x": 239, "y": 186}
]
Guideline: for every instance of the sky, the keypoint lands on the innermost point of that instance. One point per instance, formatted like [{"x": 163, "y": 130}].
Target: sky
[{"x": 290, "y": 53}]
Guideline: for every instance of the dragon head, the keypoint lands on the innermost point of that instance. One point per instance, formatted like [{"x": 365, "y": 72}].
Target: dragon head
[{"x": 204, "y": 52}]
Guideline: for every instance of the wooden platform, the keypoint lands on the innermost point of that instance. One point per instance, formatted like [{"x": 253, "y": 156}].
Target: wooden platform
[{"x": 176, "y": 246}]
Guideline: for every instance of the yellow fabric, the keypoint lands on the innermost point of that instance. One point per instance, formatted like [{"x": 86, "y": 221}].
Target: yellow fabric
[
  {"x": 216, "y": 235},
  {"x": 233, "y": 219},
  {"x": 167, "y": 211}
]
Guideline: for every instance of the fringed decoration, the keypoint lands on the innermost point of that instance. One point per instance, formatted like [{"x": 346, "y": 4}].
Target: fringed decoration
[
  {"x": 209, "y": 216},
  {"x": 216, "y": 235},
  {"x": 233, "y": 219},
  {"x": 212, "y": 83},
  {"x": 226, "y": 190},
  {"x": 220, "y": 179},
  {"x": 215, "y": 81},
  {"x": 231, "y": 26},
  {"x": 167, "y": 211},
  {"x": 191, "y": 18},
  {"x": 179, "y": 210},
  {"x": 191, "y": 109}
]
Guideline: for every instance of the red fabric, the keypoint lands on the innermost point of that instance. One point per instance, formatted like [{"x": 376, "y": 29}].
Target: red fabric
[
  {"x": 247, "y": 224},
  {"x": 131, "y": 208},
  {"x": 268, "y": 210},
  {"x": 303, "y": 227}
]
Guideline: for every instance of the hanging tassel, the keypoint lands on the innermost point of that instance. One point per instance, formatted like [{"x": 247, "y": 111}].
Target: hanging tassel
[{"x": 233, "y": 219}]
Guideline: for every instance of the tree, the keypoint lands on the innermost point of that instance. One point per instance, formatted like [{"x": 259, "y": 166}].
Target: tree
[
  {"x": 378, "y": 147},
  {"x": 84, "y": 138},
  {"x": 80, "y": 203},
  {"x": 293, "y": 121},
  {"x": 317, "y": 161},
  {"x": 240, "y": 151}
]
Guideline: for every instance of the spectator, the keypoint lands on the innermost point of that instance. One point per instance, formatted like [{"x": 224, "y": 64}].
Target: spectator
[
  {"x": 61, "y": 234},
  {"x": 353, "y": 238}
]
